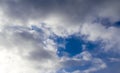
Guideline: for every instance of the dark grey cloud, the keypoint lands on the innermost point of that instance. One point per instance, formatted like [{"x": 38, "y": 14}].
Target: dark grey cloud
[
  {"x": 74, "y": 10},
  {"x": 40, "y": 55},
  {"x": 25, "y": 38}
]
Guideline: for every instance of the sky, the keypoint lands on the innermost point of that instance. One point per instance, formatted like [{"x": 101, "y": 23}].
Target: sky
[{"x": 59, "y": 36}]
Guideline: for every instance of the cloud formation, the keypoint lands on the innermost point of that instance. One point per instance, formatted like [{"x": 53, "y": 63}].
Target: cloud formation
[
  {"x": 74, "y": 11},
  {"x": 26, "y": 28},
  {"x": 22, "y": 44},
  {"x": 83, "y": 63}
]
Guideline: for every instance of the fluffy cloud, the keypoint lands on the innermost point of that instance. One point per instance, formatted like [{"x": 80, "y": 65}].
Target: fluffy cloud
[
  {"x": 24, "y": 49},
  {"x": 109, "y": 36}
]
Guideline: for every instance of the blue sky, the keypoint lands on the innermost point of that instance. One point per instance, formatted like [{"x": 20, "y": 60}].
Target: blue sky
[
  {"x": 74, "y": 45},
  {"x": 59, "y": 36}
]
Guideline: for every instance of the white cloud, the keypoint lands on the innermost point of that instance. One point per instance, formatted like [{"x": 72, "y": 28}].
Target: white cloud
[
  {"x": 109, "y": 36},
  {"x": 25, "y": 50},
  {"x": 82, "y": 60},
  {"x": 114, "y": 59}
]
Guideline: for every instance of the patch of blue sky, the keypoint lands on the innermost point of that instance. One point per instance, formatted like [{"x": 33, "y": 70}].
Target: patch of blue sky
[
  {"x": 117, "y": 24},
  {"x": 73, "y": 45}
]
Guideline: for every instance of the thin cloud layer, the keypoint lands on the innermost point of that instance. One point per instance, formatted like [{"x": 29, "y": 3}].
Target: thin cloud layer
[{"x": 83, "y": 63}]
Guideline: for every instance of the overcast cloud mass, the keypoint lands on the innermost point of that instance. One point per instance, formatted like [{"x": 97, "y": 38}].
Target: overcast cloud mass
[{"x": 59, "y": 36}]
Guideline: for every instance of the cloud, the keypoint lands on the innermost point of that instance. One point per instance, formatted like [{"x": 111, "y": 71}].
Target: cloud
[
  {"x": 58, "y": 14},
  {"x": 83, "y": 63},
  {"x": 24, "y": 49},
  {"x": 26, "y": 27},
  {"x": 109, "y": 36},
  {"x": 111, "y": 67},
  {"x": 78, "y": 11}
]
